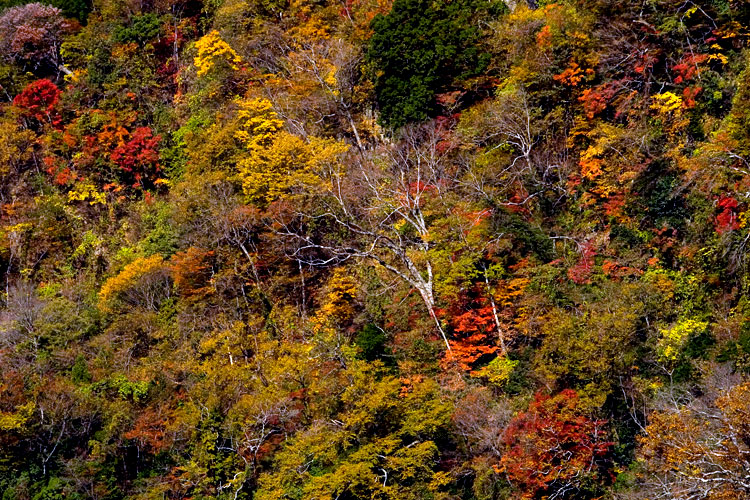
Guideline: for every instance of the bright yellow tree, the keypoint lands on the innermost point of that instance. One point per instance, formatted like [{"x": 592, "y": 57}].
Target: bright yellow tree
[
  {"x": 212, "y": 50},
  {"x": 277, "y": 161}
]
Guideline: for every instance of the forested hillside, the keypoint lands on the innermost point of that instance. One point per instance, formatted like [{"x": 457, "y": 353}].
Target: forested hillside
[{"x": 375, "y": 249}]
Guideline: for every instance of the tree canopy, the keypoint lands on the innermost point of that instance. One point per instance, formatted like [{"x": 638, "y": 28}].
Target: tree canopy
[{"x": 374, "y": 249}]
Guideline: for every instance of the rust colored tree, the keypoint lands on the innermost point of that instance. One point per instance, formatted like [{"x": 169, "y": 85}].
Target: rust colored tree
[{"x": 554, "y": 451}]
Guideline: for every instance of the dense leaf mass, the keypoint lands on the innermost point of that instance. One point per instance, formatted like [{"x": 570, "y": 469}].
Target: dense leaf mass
[
  {"x": 375, "y": 249},
  {"x": 423, "y": 47}
]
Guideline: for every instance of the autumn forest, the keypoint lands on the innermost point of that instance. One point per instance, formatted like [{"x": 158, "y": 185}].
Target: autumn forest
[{"x": 375, "y": 249}]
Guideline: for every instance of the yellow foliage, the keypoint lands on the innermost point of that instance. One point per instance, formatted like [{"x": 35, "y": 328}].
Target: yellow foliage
[
  {"x": 17, "y": 146},
  {"x": 685, "y": 446},
  {"x": 13, "y": 421},
  {"x": 337, "y": 305},
  {"x": 498, "y": 371},
  {"x": 86, "y": 192},
  {"x": 672, "y": 340},
  {"x": 718, "y": 57},
  {"x": 742, "y": 218},
  {"x": 19, "y": 228},
  {"x": 330, "y": 79},
  {"x": 268, "y": 173},
  {"x": 512, "y": 290},
  {"x": 593, "y": 165},
  {"x": 342, "y": 289},
  {"x": 212, "y": 50},
  {"x": 75, "y": 76},
  {"x": 260, "y": 123},
  {"x": 278, "y": 161},
  {"x": 311, "y": 30},
  {"x": 666, "y": 103},
  {"x": 126, "y": 278},
  {"x": 125, "y": 51},
  {"x": 662, "y": 282},
  {"x": 604, "y": 161}
]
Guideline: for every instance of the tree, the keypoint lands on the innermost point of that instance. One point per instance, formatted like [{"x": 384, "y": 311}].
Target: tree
[
  {"x": 554, "y": 451},
  {"x": 355, "y": 455},
  {"x": 418, "y": 50},
  {"x": 279, "y": 163},
  {"x": 144, "y": 282},
  {"x": 17, "y": 152},
  {"x": 138, "y": 158},
  {"x": 386, "y": 209},
  {"x": 214, "y": 54},
  {"x": 699, "y": 450},
  {"x": 474, "y": 324},
  {"x": 31, "y": 35},
  {"x": 192, "y": 271},
  {"x": 517, "y": 163},
  {"x": 78, "y": 9},
  {"x": 481, "y": 419},
  {"x": 142, "y": 30},
  {"x": 39, "y": 101},
  {"x": 326, "y": 72}
]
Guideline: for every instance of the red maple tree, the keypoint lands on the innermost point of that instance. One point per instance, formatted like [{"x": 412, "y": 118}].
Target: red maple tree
[
  {"x": 726, "y": 220},
  {"x": 553, "y": 449},
  {"x": 38, "y": 101},
  {"x": 138, "y": 158}
]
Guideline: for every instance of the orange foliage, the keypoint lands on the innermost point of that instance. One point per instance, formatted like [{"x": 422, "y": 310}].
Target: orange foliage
[
  {"x": 149, "y": 430},
  {"x": 597, "y": 99},
  {"x": 572, "y": 75},
  {"x": 544, "y": 37},
  {"x": 192, "y": 272},
  {"x": 473, "y": 323},
  {"x": 614, "y": 206},
  {"x": 613, "y": 269}
]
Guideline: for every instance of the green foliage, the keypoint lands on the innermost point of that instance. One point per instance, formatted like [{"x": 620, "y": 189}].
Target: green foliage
[
  {"x": 739, "y": 116},
  {"x": 161, "y": 236},
  {"x": 100, "y": 68},
  {"x": 383, "y": 429},
  {"x": 662, "y": 204},
  {"x": 78, "y": 9},
  {"x": 79, "y": 373},
  {"x": 142, "y": 30},
  {"x": 420, "y": 49},
  {"x": 371, "y": 340}
]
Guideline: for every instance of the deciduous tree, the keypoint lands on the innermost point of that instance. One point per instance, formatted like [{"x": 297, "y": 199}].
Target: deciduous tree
[
  {"x": 31, "y": 35},
  {"x": 554, "y": 450}
]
